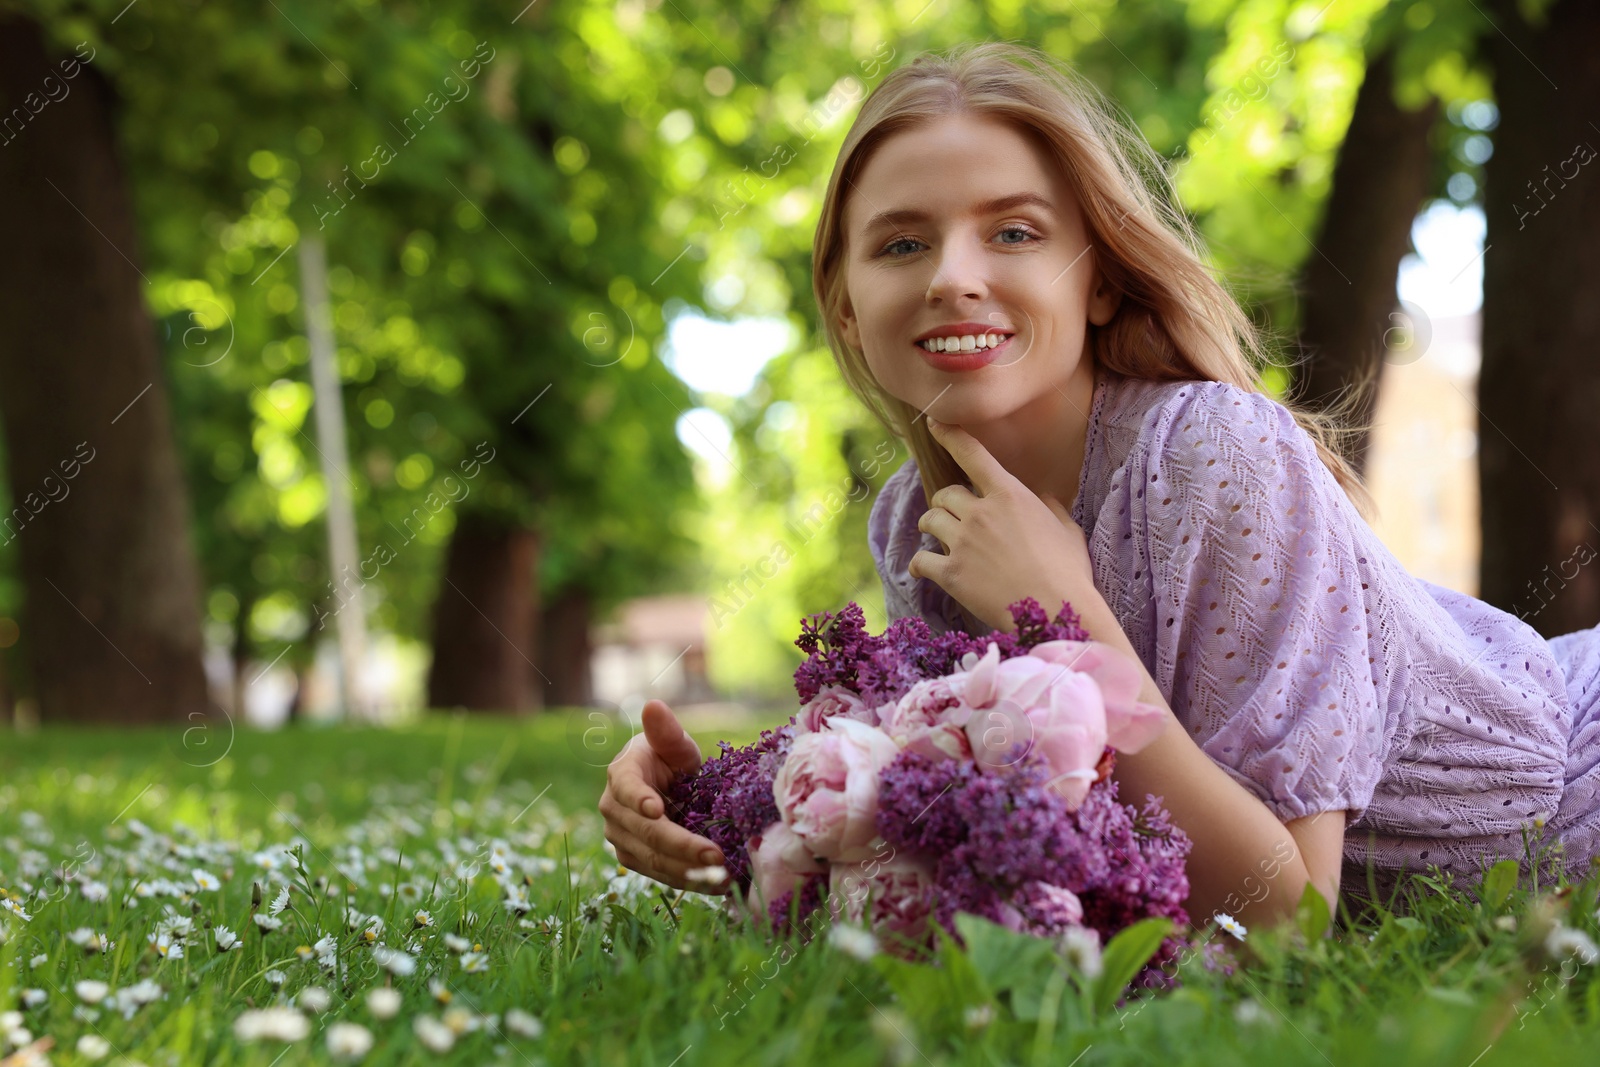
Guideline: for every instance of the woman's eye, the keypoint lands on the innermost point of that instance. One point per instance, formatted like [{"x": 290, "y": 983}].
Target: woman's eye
[
  {"x": 890, "y": 248},
  {"x": 1022, "y": 230}
]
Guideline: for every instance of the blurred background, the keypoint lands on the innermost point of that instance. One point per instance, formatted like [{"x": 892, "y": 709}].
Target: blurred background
[{"x": 360, "y": 359}]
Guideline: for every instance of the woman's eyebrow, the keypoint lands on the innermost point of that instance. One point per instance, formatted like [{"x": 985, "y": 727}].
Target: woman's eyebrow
[{"x": 903, "y": 215}]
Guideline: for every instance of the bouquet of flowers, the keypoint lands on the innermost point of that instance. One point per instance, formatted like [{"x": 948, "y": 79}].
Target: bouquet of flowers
[{"x": 926, "y": 775}]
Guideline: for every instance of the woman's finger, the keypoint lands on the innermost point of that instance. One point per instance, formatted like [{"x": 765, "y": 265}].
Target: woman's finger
[
  {"x": 940, "y": 523},
  {"x": 956, "y": 499},
  {"x": 667, "y": 738},
  {"x": 664, "y": 844},
  {"x": 634, "y": 854},
  {"x": 632, "y": 778},
  {"x": 987, "y": 475},
  {"x": 931, "y": 565}
]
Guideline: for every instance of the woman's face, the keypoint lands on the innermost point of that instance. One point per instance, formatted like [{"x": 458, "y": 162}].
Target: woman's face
[{"x": 965, "y": 220}]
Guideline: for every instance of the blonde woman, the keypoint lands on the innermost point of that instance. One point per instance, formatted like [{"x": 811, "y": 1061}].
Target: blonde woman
[{"x": 998, "y": 252}]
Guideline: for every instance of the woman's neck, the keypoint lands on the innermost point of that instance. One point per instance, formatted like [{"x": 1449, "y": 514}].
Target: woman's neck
[{"x": 1042, "y": 444}]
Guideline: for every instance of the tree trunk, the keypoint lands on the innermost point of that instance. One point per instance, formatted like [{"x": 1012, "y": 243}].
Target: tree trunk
[
  {"x": 484, "y": 639},
  {"x": 1379, "y": 182},
  {"x": 111, "y": 587},
  {"x": 565, "y": 649},
  {"x": 1540, "y": 384}
]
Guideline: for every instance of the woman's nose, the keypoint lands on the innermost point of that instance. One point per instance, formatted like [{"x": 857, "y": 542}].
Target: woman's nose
[{"x": 958, "y": 272}]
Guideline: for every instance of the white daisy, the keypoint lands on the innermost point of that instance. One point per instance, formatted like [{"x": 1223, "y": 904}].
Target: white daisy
[
  {"x": 314, "y": 998},
  {"x": 226, "y": 938},
  {"x": 14, "y": 908},
  {"x": 713, "y": 875},
  {"x": 91, "y": 992},
  {"x": 94, "y": 892},
  {"x": 383, "y": 1002},
  {"x": 131, "y": 998},
  {"x": 275, "y": 1024},
  {"x": 279, "y": 902},
  {"x": 461, "y": 1021},
  {"x": 423, "y": 918},
  {"x": 521, "y": 1024},
  {"x": 93, "y": 1047},
  {"x": 90, "y": 941},
  {"x": 456, "y": 944},
  {"x": 1230, "y": 924},
  {"x": 275, "y": 978},
  {"x": 268, "y": 923},
  {"x": 32, "y": 998},
  {"x": 1081, "y": 946},
  {"x": 475, "y": 962},
  {"x": 177, "y": 927},
  {"x": 400, "y": 964},
  {"x": 1564, "y": 941},
  {"x": 349, "y": 1041},
  {"x": 852, "y": 940},
  {"x": 207, "y": 881},
  {"x": 434, "y": 1035}
]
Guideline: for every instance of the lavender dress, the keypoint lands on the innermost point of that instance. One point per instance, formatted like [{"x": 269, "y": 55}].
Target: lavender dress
[{"x": 1296, "y": 649}]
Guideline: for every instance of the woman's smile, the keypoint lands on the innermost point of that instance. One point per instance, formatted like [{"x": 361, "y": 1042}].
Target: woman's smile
[{"x": 970, "y": 351}]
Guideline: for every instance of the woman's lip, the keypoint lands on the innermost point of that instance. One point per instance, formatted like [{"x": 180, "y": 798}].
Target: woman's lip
[{"x": 959, "y": 361}]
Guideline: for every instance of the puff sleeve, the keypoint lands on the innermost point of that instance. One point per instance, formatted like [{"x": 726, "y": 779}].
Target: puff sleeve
[{"x": 1262, "y": 643}]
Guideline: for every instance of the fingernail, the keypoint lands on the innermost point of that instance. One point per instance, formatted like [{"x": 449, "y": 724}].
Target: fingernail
[{"x": 710, "y": 857}]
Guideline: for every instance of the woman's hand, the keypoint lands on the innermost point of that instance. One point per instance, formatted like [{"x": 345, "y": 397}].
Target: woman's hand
[
  {"x": 1001, "y": 544},
  {"x": 635, "y": 811}
]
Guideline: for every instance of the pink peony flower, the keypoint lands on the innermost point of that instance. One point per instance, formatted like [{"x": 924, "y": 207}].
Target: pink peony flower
[
  {"x": 1131, "y": 724},
  {"x": 929, "y": 721},
  {"x": 893, "y": 896},
  {"x": 1055, "y": 701},
  {"x": 779, "y": 862},
  {"x": 830, "y": 701},
  {"x": 827, "y": 789}
]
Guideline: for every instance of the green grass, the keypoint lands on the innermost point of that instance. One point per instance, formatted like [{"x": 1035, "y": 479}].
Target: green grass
[{"x": 622, "y": 971}]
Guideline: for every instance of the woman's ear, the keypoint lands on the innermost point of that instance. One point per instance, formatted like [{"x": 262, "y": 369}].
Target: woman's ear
[
  {"x": 847, "y": 322},
  {"x": 1104, "y": 299}
]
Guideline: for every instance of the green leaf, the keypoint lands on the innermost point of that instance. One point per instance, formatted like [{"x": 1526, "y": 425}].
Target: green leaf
[
  {"x": 1124, "y": 956},
  {"x": 1311, "y": 914},
  {"x": 1498, "y": 881},
  {"x": 1016, "y": 966}
]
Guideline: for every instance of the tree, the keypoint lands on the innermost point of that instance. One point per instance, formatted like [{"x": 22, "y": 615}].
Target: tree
[
  {"x": 101, "y": 516},
  {"x": 1384, "y": 171},
  {"x": 1541, "y": 324}
]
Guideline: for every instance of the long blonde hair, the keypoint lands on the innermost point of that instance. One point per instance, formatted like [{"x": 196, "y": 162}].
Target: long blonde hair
[{"x": 1175, "y": 321}]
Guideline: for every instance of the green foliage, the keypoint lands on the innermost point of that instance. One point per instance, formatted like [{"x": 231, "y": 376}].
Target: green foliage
[{"x": 515, "y": 212}]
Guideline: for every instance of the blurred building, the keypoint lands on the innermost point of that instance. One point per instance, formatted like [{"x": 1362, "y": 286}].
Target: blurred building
[
  {"x": 654, "y": 647},
  {"x": 1422, "y": 466}
]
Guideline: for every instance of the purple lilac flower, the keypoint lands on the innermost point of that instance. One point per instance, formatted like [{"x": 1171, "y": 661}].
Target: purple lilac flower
[
  {"x": 840, "y": 651},
  {"x": 994, "y": 836},
  {"x": 729, "y": 799}
]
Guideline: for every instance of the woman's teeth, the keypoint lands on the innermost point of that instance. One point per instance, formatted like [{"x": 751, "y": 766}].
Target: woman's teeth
[{"x": 967, "y": 342}]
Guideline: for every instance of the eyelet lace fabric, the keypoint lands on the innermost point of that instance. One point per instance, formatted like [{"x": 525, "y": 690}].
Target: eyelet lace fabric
[{"x": 1299, "y": 653}]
